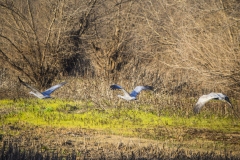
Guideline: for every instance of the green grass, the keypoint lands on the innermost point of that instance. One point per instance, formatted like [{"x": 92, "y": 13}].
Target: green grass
[{"x": 124, "y": 121}]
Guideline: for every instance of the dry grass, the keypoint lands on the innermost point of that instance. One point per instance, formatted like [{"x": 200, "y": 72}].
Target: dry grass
[
  {"x": 183, "y": 48},
  {"x": 90, "y": 144},
  {"x": 193, "y": 46},
  {"x": 169, "y": 136},
  {"x": 178, "y": 100}
]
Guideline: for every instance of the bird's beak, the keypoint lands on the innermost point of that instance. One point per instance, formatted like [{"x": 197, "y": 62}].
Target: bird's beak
[{"x": 230, "y": 104}]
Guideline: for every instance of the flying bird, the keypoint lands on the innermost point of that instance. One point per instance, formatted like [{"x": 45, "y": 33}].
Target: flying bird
[
  {"x": 46, "y": 93},
  {"x": 133, "y": 94},
  {"x": 205, "y": 98}
]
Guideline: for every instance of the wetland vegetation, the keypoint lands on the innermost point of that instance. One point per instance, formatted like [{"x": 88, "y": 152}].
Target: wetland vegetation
[
  {"x": 74, "y": 129},
  {"x": 184, "y": 49}
]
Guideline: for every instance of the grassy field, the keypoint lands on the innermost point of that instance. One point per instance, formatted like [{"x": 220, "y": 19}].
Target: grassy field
[{"x": 117, "y": 124}]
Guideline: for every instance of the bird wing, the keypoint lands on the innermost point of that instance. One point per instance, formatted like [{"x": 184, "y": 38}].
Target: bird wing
[
  {"x": 53, "y": 88},
  {"x": 36, "y": 92},
  {"x": 138, "y": 89},
  {"x": 216, "y": 95},
  {"x": 205, "y": 98},
  {"x": 115, "y": 86},
  {"x": 202, "y": 100}
]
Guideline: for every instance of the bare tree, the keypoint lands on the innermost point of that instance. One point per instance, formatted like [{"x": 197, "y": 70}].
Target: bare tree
[
  {"x": 188, "y": 38},
  {"x": 36, "y": 37},
  {"x": 109, "y": 51},
  {"x": 172, "y": 44}
]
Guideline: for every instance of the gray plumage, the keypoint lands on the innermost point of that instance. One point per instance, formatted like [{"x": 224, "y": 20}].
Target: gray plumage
[
  {"x": 205, "y": 98},
  {"x": 46, "y": 93},
  {"x": 133, "y": 94}
]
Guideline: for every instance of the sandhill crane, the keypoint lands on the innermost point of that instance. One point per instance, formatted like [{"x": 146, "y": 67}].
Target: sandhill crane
[
  {"x": 46, "y": 93},
  {"x": 133, "y": 94},
  {"x": 205, "y": 98}
]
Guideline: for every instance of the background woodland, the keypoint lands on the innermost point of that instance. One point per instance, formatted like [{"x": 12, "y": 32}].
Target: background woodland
[{"x": 182, "y": 47}]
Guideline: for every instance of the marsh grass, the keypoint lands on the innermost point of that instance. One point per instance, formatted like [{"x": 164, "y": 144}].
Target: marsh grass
[
  {"x": 122, "y": 119},
  {"x": 168, "y": 121},
  {"x": 11, "y": 151}
]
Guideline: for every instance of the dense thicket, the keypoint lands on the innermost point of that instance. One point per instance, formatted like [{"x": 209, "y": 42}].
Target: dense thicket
[{"x": 178, "y": 46}]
